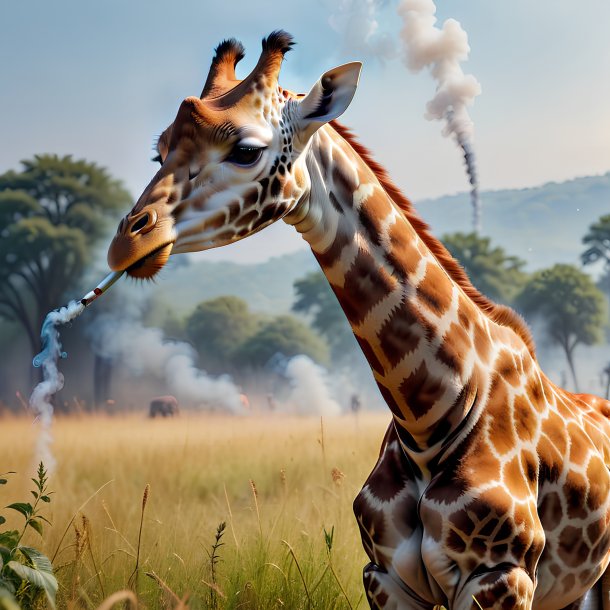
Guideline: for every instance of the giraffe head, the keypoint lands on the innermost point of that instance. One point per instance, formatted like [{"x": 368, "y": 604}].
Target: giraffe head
[{"x": 232, "y": 161}]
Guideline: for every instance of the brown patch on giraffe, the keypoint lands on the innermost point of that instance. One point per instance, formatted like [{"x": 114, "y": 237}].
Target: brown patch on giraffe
[
  {"x": 455, "y": 346},
  {"x": 433, "y": 523},
  {"x": 247, "y": 219},
  {"x": 455, "y": 542},
  {"x": 403, "y": 254},
  {"x": 251, "y": 197},
  {"x": 599, "y": 485},
  {"x": 550, "y": 511},
  {"x": 399, "y": 335},
  {"x": 554, "y": 428},
  {"x": 568, "y": 582},
  {"x": 344, "y": 184},
  {"x": 515, "y": 479},
  {"x": 405, "y": 515},
  {"x": 434, "y": 291},
  {"x": 421, "y": 391},
  {"x": 501, "y": 432},
  {"x": 328, "y": 258},
  {"x": 233, "y": 211},
  {"x": 366, "y": 285},
  {"x": 481, "y": 341},
  {"x": 369, "y": 354},
  {"x": 482, "y": 464},
  {"x": 572, "y": 549},
  {"x": 580, "y": 444},
  {"x": 526, "y": 421},
  {"x": 371, "y": 222},
  {"x": 389, "y": 399},
  {"x": 392, "y": 477},
  {"x": 505, "y": 367},
  {"x": 574, "y": 491},
  {"x": 462, "y": 522},
  {"x": 596, "y": 529}
]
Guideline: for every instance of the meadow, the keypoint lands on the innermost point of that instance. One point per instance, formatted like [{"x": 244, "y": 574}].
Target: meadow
[{"x": 282, "y": 486}]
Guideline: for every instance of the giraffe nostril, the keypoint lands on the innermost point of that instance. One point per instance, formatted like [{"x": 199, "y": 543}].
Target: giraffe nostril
[{"x": 140, "y": 224}]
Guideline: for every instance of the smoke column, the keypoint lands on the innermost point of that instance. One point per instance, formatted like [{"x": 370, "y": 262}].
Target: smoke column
[
  {"x": 143, "y": 350},
  {"x": 441, "y": 50},
  {"x": 53, "y": 380},
  {"x": 356, "y": 21},
  {"x": 310, "y": 392}
]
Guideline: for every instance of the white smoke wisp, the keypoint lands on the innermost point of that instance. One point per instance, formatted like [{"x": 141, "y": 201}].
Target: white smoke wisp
[
  {"x": 356, "y": 21},
  {"x": 310, "y": 392},
  {"x": 143, "y": 350},
  {"x": 52, "y": 379},
  {"x": 442, "y": 50}
]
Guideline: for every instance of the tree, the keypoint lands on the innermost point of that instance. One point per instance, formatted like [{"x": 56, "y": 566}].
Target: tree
[
  {"x": 571, "y": 306},
  {"x": 51, "y": 215},
  {"x": 496, "y": 274},
  {"x": 597, "y": 241},
  {"x": 282, "y": 335},
  {"x": 315, "y": 297},
  {"x": 218, "y": 328}
]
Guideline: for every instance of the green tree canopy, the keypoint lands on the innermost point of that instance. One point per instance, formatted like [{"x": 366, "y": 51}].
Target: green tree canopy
[
  {"x": 571, "y": 306},
  {"x": 52, "y": 213},
  {"x": 285, "y": 335},
  {"x": 218, "y": 328},
  {"x": 496, "y": 274},
  {"x": 597, "y": 241},
  {"x": 314, "y": 296}
]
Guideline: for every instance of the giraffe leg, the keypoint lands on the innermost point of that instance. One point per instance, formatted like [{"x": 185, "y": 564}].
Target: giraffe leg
[
  {"x": 383, "y": 592},
  {"x": 500, "y": 589}
]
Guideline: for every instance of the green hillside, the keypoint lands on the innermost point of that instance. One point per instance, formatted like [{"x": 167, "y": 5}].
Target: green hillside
[{"x": 542, "y": 225}]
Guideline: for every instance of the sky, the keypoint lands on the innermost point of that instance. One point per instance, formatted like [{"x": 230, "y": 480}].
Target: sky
[{"x": 100, "y": 80}]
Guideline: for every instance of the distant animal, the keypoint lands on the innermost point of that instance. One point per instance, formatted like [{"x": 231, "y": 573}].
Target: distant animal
[
  {"x": 492, "y": 482},
  {"x": 164, "y": 406}
]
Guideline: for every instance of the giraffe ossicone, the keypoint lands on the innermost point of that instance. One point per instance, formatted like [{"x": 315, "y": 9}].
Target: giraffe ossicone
[{"x": 492, "y": 481}]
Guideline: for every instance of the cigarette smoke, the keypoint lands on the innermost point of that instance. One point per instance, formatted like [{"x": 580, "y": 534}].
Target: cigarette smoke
[
  {"x": 144, "y": 350},
  {"x": 442, "y": 50},
  {"x": 310, "y": 392},
  {"x": 53, "y": 380}
]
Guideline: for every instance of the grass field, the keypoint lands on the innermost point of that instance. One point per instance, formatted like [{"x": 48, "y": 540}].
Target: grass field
[{"x": 282, "y": 485}]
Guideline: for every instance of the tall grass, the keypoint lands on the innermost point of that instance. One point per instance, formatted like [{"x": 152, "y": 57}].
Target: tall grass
[{"x": 283, "y": 486}]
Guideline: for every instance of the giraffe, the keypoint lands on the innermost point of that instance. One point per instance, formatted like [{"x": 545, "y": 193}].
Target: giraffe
[{"x": 492, "y": 482}]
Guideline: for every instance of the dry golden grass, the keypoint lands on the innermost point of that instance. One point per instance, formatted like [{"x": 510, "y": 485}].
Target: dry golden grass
[{"x": 274, "y": 481}]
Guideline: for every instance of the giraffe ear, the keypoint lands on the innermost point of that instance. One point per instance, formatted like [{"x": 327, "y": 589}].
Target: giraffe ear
[{"x": 329, "y": 97}]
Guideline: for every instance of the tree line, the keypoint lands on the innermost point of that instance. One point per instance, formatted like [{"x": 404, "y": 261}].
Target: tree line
[{"x": 55, "y": 210}]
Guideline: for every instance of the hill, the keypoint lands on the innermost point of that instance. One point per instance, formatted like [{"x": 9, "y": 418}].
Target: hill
[{"x": 543, "y": 225}]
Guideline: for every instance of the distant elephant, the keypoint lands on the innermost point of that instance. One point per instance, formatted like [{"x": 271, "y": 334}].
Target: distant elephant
[{"x": 165, "y": 406}]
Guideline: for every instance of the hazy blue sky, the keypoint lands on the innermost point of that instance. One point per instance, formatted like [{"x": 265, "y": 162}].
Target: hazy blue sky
[{"x": 101, "y": 79}]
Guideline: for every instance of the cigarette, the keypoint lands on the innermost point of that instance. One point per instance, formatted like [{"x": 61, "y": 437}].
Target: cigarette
[{"x": 110, "y": 279}]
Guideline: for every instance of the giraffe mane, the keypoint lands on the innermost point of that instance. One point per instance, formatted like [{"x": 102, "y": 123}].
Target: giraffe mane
[{"x": 501, "y": 314}]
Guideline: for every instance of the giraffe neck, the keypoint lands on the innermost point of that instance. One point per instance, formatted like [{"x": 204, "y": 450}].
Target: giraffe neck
[{"x": 415, "y": 325}]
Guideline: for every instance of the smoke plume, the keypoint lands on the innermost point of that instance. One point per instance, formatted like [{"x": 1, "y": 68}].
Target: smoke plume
[
  {"x": 309, "y": 393},
  {"x": 442, "y": 50},
  {"x": 53, "y": 380},
  {"x": 143, "y": 350},
  {"x": 356, "y": 21}
]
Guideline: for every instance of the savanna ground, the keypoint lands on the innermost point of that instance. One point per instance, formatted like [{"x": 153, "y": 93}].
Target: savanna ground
[{"x": 283, "y": 485}]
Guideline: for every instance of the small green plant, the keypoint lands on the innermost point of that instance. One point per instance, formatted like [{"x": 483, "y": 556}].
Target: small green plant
[
  {"x": 26, "y": 575},
  {"x": 214, "y": 556}
]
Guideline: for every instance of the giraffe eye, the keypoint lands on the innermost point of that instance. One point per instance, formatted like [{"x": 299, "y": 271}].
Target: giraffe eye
[{"x": 245, "y": 156}]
